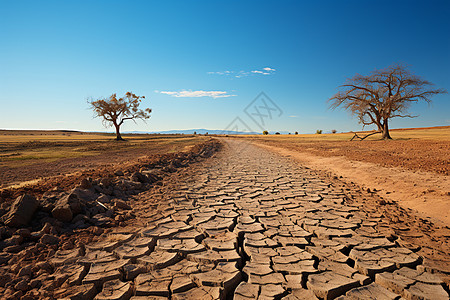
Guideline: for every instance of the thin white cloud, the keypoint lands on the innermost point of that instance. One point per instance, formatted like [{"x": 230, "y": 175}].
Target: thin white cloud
[
  {"x": 240, "y": 74},
  {"x": 293, "y": 116},
  {"x": 196, "y": 94}
]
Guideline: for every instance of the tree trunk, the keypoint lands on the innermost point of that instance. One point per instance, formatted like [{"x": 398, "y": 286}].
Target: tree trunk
[
  {"x": 118, "y": 136},
  {"x": 385, "y": 131}
]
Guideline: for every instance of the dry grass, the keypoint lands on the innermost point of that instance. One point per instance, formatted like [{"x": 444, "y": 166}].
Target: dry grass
[
  {"x": 21, "y": 148},
  {"x": 434, "y": 133},
  {"x": 425, "y": 149}
]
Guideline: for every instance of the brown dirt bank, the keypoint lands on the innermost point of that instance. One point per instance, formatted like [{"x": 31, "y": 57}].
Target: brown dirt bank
[
  {"x": 105, "y": 165},
  {"x": 426, "y": 192},
  {"x": 415, "y": 155},
  {"x": 27, "y": 161}
]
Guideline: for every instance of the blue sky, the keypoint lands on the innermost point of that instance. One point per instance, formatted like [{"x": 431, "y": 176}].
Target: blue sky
[{"x": 56, "y": 54}]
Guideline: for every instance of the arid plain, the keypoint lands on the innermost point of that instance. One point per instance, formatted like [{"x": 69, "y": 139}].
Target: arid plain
[{"x": 215, "y": 217}]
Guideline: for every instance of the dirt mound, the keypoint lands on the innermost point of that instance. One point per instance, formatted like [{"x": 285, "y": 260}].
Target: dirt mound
[
  {"x": 83, "y": 203},
  {"x": 69, "y": 181}
]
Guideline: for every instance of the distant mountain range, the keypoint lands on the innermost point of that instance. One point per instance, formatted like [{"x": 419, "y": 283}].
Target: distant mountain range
[{"x": 191, "y": 131}]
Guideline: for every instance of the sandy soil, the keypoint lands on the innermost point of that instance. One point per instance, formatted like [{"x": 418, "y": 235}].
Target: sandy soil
[
  {"x": 64, "y": 174},
  {"x": 426, "y": 192},
  {"x": 82, "y": 155}
]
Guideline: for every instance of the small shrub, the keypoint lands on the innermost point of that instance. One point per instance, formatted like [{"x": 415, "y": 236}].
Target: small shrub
[
  {"x": 195, "y": 132},
  {"x": 277, "y": 133},
  {"x": 296, "y": 132},
  {"x": 265, "y": 132},
  {"x": 319, "y": 131},
  {"x": 333, "y": 131}
]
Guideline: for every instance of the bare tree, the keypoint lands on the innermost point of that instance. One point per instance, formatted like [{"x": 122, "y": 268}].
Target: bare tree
[
  {"x": 114, "y": 111},
  {"x": 384, "y": 94}
]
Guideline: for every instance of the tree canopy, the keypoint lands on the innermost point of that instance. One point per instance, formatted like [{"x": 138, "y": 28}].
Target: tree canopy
[
  {"x": 114, "y": 111},
  {"x": 382, "y": 95}
]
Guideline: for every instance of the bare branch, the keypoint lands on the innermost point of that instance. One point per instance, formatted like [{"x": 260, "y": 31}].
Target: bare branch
[
  {"x": 114, "y": 111},
  {"x": 382, "y": 95}
]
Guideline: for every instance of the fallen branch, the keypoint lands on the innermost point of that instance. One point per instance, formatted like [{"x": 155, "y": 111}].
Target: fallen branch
[{"x": 363, "y": 137}]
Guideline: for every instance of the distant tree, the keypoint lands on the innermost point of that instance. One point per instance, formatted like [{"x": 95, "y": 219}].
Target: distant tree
[
  {"x": 296, "y": 132},
  {"x": 265, "y": 132},
  {"x": 114, "y": 111},
  {"x": 277, "y": 133},
  {"x": 382, "y": 95},
  {"x": 333, "y": 131},
  {"x": 195, "y": 132},
  {"x": 319, "y": 131}
]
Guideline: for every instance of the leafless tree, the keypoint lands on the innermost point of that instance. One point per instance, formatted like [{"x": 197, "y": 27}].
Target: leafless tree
[
  {"x": 114, "y": 111},
  {"x": 384, "y": 94}
]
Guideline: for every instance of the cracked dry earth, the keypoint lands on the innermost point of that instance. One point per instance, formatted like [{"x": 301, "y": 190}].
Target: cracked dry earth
[{"x": 250, "y": 225}]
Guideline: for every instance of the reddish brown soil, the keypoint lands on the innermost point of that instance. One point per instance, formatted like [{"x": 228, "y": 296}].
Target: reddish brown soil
[
  {"x": 73, "y": 170},
  {"x": 11, "y": 175},
  {"x": 415, "y": 155}
]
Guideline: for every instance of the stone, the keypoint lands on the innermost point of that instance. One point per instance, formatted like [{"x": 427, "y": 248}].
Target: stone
[
  {"x": 139, "y": 177},
  {"x": 257, "y": 268},
  {"x": 327, "y": 285},
  {"x": 63, "y": 208},
  {"x": 115, "y": 290},
  {"x": 25, "y": 271},
  {"x": 131, "y": 271},
  {"x": 434, "y": 265},
  {"x": 85, "y": 291},
  {"x": 49, "y": 239},
  {"x": 21, "y": 286},
  {"x": 142, "y": 242},
  {"x": 225, "y": 275},
  {"x": 149, "y": 298},
  {"x": 24, "y": 233},
  {"x": 85, "y": 184},
  {"x": 184, "y": 246},
  {"x": 272, "y": 278},
  {"x": 96, "y": 257},
  {"x": 153, "y": 287},
  {"x": 204, "y": 293},
  {"x": 21, "y": 211},
  {"x": 294, "y": 281},
  {"x": 298, "y": 267},
  {"x": 271, "y": 291},
  {"x": 224, "y": 240},
  {"x": 422, "y": 290},
  {"x": 211, "y": 256},
  {"x": 246, "y": 290},
  {"x": 181, "y": 284},
  {"x": 159, "y": 259},
  {"x": 371, "y": 291},
  {"x": 301, "y": 294},
  {"x": 258, "y": 240},
  {"x": 291, "y": 241},
  {"x": 102, "y": 272},
  {"x": 71, "y": 274},
  {"x": 249, "y": 228},
  {"x": 111, "y": 242},
  {"x": 126, "y": 252},
  {"x": 166, "y": 230},
  {"x": 218, "y": 223},
  {"x": 327, "y": 253},
  {"x": 120, "y": 204}
]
